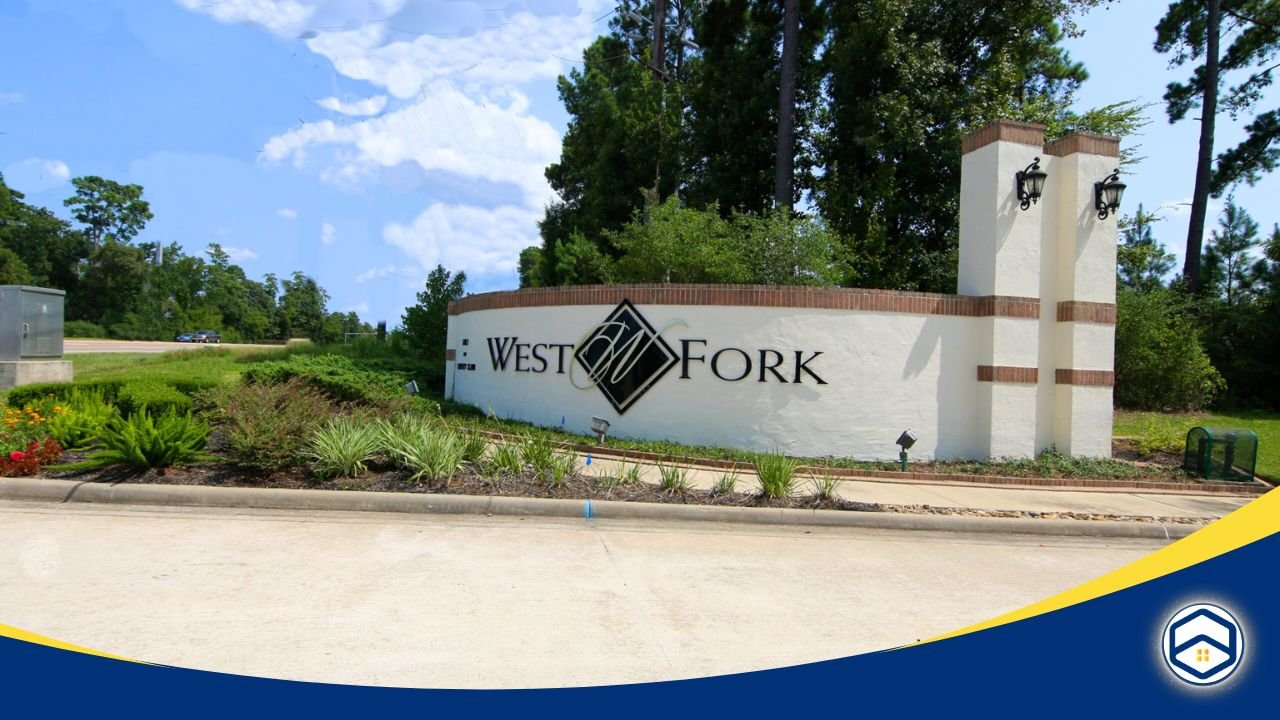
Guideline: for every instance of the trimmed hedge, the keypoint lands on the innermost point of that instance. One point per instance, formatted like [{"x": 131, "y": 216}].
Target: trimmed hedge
[
  {"x": 152, "y": 396},
  {"x": 83, "y": 329},
  {"x": 336, "y": 376},
  {"x": 110, "y": 389}
]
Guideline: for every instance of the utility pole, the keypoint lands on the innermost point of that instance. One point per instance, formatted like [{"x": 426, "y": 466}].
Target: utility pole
[{"x": 784, "y": 164}]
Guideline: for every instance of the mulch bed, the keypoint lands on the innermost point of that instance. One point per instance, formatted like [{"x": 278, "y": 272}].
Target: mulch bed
[{"x": 576, "y": 487}]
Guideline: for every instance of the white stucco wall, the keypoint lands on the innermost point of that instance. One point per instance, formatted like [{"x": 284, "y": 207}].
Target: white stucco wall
[
  {"x": 885, "y": 372},
  {"x": 1046, "y": 381}
]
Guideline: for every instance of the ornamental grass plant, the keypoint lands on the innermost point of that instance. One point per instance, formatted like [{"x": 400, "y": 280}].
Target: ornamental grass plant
[
  {"x": 777, "y": 474},
  {"x": 342, "y": 447}
]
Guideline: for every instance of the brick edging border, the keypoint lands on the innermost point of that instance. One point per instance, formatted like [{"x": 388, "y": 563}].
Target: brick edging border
[
  {"x": 817, "y": 298},
  {"x": 1211, "y": 487}
]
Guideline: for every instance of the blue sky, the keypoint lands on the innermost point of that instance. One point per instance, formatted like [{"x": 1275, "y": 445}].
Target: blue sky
[{"x": 363, "y": 142}]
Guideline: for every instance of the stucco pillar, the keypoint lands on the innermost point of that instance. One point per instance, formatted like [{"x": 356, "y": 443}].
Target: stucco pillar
[
  {"x": 1084, "y": 312},
  {"x": 1000, "y": 259}
]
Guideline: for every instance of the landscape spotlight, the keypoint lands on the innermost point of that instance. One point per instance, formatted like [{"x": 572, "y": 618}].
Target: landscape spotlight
[
  {"x": 1030, "y": 183},
  {"x": 599, "y": 426},
  {"x": 411, "y": 387},
  {"x": 1107, "y": 194},
  {"x": 905, "y": 441}
]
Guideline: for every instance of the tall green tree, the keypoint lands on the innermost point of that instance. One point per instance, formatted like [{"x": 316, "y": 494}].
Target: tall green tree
[
  {"x": 302, "y": 307},
  {"x": 1141, "y": 262},
  {"x": 51, "y": 250},
  {"x": 1192, "y": 31},
  {"x": 109, "y": 210},
  {"x": 906, "y": 79},
  {"x": 610, "y": 149},
  {"x": 426, "y": 324}
]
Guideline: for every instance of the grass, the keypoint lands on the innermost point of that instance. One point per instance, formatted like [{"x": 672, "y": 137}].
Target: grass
[
  {"x": 213, "y": 364},
  {"x": 1167, "y": 432}
]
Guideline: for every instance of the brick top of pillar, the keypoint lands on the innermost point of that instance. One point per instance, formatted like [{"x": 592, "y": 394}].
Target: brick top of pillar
[
  {"x": 1085, "y": 142},
  {"x": 1022, "y": 133}
]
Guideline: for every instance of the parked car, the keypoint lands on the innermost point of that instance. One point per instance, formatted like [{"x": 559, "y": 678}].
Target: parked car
[
  {"x": 207, "y": 336},
  {"x": 185, "y": 337}
]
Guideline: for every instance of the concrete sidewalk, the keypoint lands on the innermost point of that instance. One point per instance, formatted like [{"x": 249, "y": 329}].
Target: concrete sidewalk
[{"x": 973, "y": 498}]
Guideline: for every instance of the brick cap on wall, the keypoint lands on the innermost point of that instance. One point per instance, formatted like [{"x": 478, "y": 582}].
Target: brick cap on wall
[
  {"x": 890, "y": 301},
  {"x": 1007, "y": 130},
  {"x": 1025, "y": 133}
]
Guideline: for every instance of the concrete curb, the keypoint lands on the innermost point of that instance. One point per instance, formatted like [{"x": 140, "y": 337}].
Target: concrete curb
[{"x": 362, "y": 501}]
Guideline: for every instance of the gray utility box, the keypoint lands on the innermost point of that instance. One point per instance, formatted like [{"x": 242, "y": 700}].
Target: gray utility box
[{"x": 30, "y": 322}]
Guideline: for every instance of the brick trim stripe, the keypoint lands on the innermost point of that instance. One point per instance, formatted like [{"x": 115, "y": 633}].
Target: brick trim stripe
[
  {"x": 1085, "y": 142},
  {"x": 1006, "y": 130},
  {"x": 1089, "y": 378},
  {"x": 1008, "y": 374},
  {"x": 450, "y": 355},
  {"x": 1087, "y": 312},
  {"x": 894, "y": 301}
]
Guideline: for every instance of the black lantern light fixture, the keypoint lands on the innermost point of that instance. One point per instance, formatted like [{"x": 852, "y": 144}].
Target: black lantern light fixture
[
  {"x": 1107, "y": 194},
  {"x": 1030, "y": 183}
]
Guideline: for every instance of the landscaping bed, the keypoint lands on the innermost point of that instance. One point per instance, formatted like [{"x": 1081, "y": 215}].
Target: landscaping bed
[{"x": 315, "y": 420}]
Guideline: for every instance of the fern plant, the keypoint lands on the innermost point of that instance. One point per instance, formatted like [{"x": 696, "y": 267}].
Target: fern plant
[
  {"x": 342, "y": 447},
  {"x": 81, "y": 421},
  {"x": 143, "y": 441}
]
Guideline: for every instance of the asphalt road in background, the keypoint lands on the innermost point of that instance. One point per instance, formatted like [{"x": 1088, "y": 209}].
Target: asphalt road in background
[
  {"x": 71, "y": 347},
  {"x": 502, "y": 602}
]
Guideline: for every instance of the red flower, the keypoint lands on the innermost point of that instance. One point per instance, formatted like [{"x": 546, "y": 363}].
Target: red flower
[{"x": 17, "y": 456}]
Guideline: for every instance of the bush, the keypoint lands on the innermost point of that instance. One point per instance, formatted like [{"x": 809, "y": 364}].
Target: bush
[
  {"x": 144, "y": 441},
  {"x": 83, "y": 329},
  {"x": 110, "y": 389},
  {"x": 265, "y": 427},
  {"x": 342, "y": 447},
  {"x": 1160, "y": 362},
  {"x": 25, "y": 462},
  {"x": 336, "y": 376},
  {"x": 156, "y": 397}
]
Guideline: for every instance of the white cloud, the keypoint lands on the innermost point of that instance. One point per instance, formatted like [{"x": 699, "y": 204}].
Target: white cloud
[
  {"x": 282, "y": 17},
  {"x": 36, "y": 174},
  {"x": 240, "y": 254},
  {"x": 11, "y": 98},
  {"x": 376, "y": 273},
  {"x": 367, "y": 106},
  {"x": 462, "y": 237},
  {"x": 450, "y": 77},
  {"x": 328, "y": 234},
  {"x": 444, "y": 129},
  {"x": 287, "y": 213},
  {"x": 359, "y": 308}
]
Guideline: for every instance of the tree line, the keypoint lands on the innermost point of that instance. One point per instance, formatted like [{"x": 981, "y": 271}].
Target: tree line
[
  {"x": 799, "y": 141},
  {"x": 147, "y": 291}
]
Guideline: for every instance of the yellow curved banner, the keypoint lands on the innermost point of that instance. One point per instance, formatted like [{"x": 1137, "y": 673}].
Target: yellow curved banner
[{"x": 1250, "y": 523}]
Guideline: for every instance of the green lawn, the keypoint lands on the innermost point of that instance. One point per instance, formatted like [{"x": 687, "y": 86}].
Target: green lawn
[
  {"x": 1168, "y": 431},
  {"x": 217, "y": 364}
]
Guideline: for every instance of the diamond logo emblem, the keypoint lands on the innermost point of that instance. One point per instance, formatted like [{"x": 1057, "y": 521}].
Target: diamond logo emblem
[{"x": 624, "y": 356}]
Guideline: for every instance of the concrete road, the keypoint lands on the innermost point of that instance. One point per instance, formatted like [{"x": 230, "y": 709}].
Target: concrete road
[
  {"x": 71, "y": 347},
  {"x": 451, "y": 601}
]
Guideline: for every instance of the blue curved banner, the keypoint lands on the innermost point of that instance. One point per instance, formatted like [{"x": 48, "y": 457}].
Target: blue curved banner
[{"x": 1192, "y": 626}]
